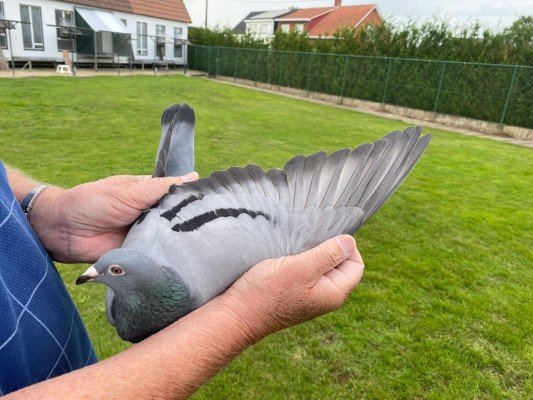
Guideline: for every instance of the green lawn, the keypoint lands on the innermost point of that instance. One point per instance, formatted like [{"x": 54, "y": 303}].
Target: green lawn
[{"x": 445, "y": 307}]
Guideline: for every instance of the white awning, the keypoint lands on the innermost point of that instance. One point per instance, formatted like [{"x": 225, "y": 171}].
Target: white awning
[{"x": 102, "y": 21}]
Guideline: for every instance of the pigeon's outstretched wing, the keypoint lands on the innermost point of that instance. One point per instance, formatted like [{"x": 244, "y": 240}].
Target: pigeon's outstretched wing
[
  {"x": 175, "y": 154},
  {"x": 312, "y": 199}
]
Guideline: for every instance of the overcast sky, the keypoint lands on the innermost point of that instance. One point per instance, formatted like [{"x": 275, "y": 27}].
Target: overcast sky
[{"x": 492, "y": 12}]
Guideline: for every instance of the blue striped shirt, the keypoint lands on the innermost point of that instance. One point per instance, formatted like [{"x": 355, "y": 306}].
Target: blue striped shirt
[{"x": 41, "y": 332}]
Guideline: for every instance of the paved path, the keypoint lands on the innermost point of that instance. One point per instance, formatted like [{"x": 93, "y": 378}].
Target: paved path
[{"x": 86, "y": 72}]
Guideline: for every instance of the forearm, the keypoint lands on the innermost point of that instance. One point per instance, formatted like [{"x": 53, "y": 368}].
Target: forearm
[
  {"x": 20, "y": 183},
  {"x": 171, "y": 364},
  {"x": 46, "y": 215}
]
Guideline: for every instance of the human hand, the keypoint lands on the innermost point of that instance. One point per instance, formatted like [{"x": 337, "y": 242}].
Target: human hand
[
  {"x": 279, "y": 293},
  {"x": 82, "y": 223}
]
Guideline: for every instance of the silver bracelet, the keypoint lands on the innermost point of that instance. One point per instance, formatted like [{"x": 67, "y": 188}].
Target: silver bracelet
[{"x": 29, "y": 201}]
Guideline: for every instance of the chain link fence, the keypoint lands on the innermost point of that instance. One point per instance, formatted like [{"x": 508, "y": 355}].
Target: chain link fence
[{"x": 489, "y": 92}]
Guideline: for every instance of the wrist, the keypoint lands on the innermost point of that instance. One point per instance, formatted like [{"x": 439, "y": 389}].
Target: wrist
[
  {"x": 246, "y": 314},
  {"x": 47, "y": 220}
]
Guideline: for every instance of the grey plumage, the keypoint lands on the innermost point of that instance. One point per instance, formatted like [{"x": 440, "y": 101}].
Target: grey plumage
[
  {"x": 206, "y": 234},
  {"x": 175, "y": 154}
]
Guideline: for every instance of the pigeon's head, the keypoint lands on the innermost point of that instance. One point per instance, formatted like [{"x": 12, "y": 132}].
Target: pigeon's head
[
  {"x": 121, "y": 270},
  {"x": 146, "y": 298}
]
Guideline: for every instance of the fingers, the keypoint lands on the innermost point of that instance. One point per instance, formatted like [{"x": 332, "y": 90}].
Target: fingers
[
  {"x": 148, "y": 191},
  {"x": 317, "y": 261},
  {"x": 348, "y": 274}
]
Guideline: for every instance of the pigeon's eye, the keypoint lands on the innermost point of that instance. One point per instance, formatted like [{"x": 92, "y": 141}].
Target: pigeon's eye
[{"x": 115, "y": 269}]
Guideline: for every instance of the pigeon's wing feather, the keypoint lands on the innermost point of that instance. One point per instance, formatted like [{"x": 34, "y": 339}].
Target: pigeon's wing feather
[
  {"x": 175, "y": 154},
  {"x": 329, "y": 195}
]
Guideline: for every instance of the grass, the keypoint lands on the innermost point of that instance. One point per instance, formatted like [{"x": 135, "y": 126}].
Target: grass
[{"x": 445, "y": 307}]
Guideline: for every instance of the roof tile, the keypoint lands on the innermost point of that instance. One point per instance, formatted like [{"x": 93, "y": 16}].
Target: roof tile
[
  {"x": 306, "y": 13},
  {"x": 173, "y": 10},
  {"x": 340, "y": 17}
]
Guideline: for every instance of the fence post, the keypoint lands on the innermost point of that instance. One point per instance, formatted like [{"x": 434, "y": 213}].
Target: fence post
[
  {"x": 256, "y": 66},
  {"x": 344, "y": 78},
  {"x": 443, "y": 69},
  {"x": 209, "y": 61},
  {"x": 309, "y": 68},
  {"x": 508, "y": 99},
  {"x": 234, "y": 65},
  {"x": 218, "y": 62},
  {"x": 280, "y": 70},
  {"x": 389, "y": 67}
]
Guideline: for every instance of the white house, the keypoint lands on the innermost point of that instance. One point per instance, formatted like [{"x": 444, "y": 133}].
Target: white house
[
  {"x": 94, "y": 31},
  {"x": 261, "y": 24}
]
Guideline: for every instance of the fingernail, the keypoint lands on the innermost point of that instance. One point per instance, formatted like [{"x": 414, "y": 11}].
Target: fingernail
[
  {"x": 347, "y": 244},
  {"x": 191, "y": 176}
]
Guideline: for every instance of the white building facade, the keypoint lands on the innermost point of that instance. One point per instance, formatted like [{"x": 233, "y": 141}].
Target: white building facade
[
  {"x": 44, "y": 29},
  {"x": 263, "y": 25}
]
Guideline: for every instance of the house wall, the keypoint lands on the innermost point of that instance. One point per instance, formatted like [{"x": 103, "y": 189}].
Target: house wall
[
  {"x": 308, "y": 25},
  {"x": 292, "y": 25},
  {"x": 315, "y": 21},
  {"x": 372, "y": 18},
  {"x": 261, "y": 28},
  {"x": 51, "y": 52}
]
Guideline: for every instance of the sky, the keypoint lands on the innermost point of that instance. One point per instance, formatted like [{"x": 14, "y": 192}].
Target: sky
[{"x": 492, "y": 13}]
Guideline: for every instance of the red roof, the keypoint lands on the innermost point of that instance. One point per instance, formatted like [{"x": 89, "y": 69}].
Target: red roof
[
  {"x": 341, "y": 17},
  {"x": 306, "y": 13},
  {"x": 173, "y": 10}
]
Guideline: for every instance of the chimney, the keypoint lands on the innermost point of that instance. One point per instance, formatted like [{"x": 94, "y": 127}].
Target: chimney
[{"x": 338, "y": 3}]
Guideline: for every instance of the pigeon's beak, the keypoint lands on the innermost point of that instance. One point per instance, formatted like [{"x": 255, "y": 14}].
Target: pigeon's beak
[{"x": 87, "y": 276}]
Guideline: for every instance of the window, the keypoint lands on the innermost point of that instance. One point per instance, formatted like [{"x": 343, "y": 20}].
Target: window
[
  {"x": 263, "y": 29},
  {"x": 65, "y": 38},
  {"x": 142, "y": 39},
  {"x": 178, "y": 50},
  {"x": 32, "y": 28},
  {"x": 285, "y": 27},
  {"x": 299, "y": 28},
  {"x": 178, "y": 47},
  {"x": 3, "y": 33},
  {"x": 160, "y": 37}
]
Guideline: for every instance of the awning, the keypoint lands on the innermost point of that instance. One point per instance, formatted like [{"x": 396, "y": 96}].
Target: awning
[
  {"x": 182, "y": 41},
  {"x": 102, "y": 21}
]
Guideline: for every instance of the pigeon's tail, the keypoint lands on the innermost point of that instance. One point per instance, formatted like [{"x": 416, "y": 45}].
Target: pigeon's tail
[
  {"x": 175, "y": 155},
  {"x": 363, "y": 178}
]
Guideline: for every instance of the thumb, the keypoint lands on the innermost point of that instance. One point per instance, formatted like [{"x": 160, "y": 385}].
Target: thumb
[
  {"x": 153, "y": 189},
  {"x": 316, "y": 262}
]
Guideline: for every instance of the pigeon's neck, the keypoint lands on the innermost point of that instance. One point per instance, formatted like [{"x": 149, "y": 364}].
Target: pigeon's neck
[{"x": 141, "y": 313}]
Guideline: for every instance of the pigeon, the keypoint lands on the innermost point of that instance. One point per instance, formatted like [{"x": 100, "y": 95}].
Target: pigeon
[{"x": 204, "y": 235}]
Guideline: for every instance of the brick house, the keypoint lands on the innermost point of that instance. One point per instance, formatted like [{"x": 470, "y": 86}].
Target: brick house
[{"x": 323, "y": 22}]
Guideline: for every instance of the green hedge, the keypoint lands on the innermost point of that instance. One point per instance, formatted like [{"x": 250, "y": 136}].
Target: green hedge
[{"x": 487, "y": 92}]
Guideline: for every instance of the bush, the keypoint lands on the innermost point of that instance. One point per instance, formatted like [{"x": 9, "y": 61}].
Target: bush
[{"x": 434, "y": 39}]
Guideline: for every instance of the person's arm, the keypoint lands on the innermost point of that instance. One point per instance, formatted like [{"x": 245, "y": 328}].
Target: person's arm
[
  {"x": 176, "y": 361},
  {"x": 20, "y": 183},
  {"x": 82, "y": 223}
]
